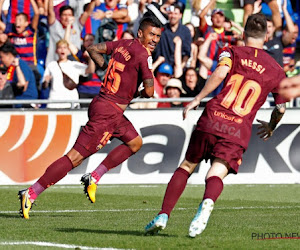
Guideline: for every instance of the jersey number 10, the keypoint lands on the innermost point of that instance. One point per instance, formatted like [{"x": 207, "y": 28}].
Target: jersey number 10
[{"x": 242, "y": 97}]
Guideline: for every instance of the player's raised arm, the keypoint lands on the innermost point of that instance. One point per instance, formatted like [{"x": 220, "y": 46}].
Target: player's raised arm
[
  {"x": 96, "y": 51},
  {"x": 212, "y": 83},
  {"x": 266, "y": 129}
]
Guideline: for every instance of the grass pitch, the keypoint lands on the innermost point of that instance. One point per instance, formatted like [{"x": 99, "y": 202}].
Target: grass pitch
[{"x": 245, "y": 217}]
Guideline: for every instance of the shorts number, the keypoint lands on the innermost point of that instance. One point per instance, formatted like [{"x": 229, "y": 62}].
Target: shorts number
[
  {"x": 112, "y": 79},
  {"x": 243, "y": 97}
]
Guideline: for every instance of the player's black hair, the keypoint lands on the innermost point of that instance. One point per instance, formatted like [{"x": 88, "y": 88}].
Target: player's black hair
[
  {"x": 8, "y": 48},
  {"x": 256, "y": 26},
  {"x": 149, "y": 21},
  {"x": 65, "y": 7}
]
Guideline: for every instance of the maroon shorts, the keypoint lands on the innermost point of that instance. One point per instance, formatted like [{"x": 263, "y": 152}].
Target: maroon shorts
[
  {"x": 106, "y": 121},
  {"x": 205, "y": 146}
]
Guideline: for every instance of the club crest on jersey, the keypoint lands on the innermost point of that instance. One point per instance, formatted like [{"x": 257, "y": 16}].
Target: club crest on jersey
[
  {"x": 224, "y": 54},
  {"x": 149, "y": 60}
]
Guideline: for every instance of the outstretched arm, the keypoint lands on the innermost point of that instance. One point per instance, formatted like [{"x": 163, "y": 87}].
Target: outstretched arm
[
  {"x": 265, "y": 130},
  {"x": 96, "y": 51},
  {"x": 290, "y": 87}
]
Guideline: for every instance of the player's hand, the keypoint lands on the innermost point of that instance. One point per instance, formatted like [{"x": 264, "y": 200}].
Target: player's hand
[
  {"x": 192, "y": 105},
  {"x": 264, "y": 130}
]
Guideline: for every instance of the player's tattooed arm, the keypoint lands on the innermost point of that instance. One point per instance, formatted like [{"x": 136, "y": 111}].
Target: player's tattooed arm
[
  {"x": 148, "y": 90},
  {"x": 266, "y": 129},
  {"x": 95, "y": 52}
]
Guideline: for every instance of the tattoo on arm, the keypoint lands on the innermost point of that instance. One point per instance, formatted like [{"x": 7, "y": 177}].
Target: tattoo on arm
[
  {"x": 148, "y": 83},
  {"x": 96, "y": 52},
  {"x": 276, "y": 116}
]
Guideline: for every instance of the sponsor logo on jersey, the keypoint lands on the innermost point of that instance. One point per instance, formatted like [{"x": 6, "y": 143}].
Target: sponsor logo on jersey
[{"x": 223, "y": 115}]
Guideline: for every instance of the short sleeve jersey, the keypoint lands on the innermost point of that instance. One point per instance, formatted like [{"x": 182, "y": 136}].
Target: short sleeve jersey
[
  {"x": 130, "y": 64},
  {"x": 253, "y": 75}
]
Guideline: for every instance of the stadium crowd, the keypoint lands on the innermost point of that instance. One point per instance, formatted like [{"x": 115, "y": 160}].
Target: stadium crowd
[{"x": 43, "y": 44}]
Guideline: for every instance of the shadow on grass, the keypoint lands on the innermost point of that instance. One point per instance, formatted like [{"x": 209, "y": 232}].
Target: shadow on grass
[
  {"x": 16, "y": 215},
  {"x": 99, "y": 231}
]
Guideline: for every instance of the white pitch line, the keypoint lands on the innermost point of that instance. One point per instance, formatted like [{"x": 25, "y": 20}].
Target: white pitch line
[
  {"x": 145, "y": 209},
  {"x": 50, "y": 244}
]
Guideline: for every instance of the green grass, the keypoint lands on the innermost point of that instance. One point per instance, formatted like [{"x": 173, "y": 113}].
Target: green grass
[{"x": 118, "y": 217}]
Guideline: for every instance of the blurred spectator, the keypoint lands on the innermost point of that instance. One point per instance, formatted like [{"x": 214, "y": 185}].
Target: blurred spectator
[
  {"x": 289, "y": 51},
  {"x": 194, "y": 47},
  {"x": 127, "y": 34},
  {"x": 275, "y": 44},
  {"x": 6, "y": 90},
  {"x": 90, "y": 85},
  {"x": 53, "y": 76},
  {"x": 192, "y": 83},
  {"x": 3, "y": 38},
  {"x": 174, "y": 28},
  {"x": 249, "y": 7},
  {"x": 173, "y": 89},
  {"x": 163, "y": 75},
  {"x": 165, "y": 8},
  {"x": 197, "y": 7},
  {"x": 214, "y": 43},
  {"x": 19, "y": 74},
  {"x": 22, "y": 34},
  {"x": 146, "y": 8},
  {"x": 109, "y": 9},
  {"x": 57, "y": 28}
]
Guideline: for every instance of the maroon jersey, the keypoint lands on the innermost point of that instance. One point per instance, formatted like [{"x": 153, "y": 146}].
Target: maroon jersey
[
  {"x": 253, "y": 75},
  {"x": 130, "y": 64}
]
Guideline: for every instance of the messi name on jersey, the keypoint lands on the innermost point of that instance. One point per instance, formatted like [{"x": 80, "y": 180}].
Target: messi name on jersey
[{"x": 252, "y": 64}]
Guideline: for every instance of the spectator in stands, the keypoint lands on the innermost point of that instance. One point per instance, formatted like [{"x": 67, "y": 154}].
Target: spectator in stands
[
  {"x": 197, "y": 6},
  {"x": 127, "y": 34},
  {"x": 289, "y": 51},
  {"x": 290, "y": 87},
  {"x": 6, "y": 90},
  {"x": 275, "y": 44},
  {"x": 109, "y": 9},
  {"x": 249, "y": 7},
  {"x": 57, "y": 28},
  {"x": 192, "y": 83},
  {"x": 163, "y": 75},
  {"x": 3, "y": 38},
  {"x": 174, "y": 28},
  {"x": 22, "y": 34},
  {"x": 19, "y": 74},
  {"x": 194, "y": 47},
  {"x": 53, "y": 76},
  {"x": 173, "y": 89},
  {"x": 90, "y": 85},
  {"x": 149, "y": 8},
  {"x": 214, "y": 43}
]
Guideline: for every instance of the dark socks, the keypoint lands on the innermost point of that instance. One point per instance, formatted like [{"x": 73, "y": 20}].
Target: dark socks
[{"x": 174, "y": 190}]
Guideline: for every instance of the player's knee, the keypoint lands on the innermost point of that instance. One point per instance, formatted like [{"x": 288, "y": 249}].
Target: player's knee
[
  {"x": 75, "y": 157},
  {"x": 136, "y": 144}
]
